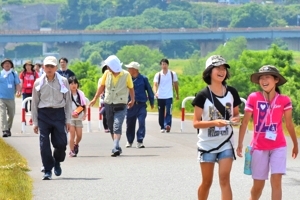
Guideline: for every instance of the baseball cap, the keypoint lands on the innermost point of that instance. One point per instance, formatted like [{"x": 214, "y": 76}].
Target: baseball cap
[
  {"x": 134, "y": 65},
  {"x": 50, "y": 60},
  {"x": 114, "y": 63},
  {"x": 216, "y": 60}
]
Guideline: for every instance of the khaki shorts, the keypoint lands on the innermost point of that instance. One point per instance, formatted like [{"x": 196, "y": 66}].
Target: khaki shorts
[{"x": 77, "y": 123}]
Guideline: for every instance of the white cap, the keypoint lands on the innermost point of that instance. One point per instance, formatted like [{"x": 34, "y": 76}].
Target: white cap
[
  {"x": 215, "y": 60},
  {"x": 50, "y": 60},
  {"x": 134, "y": 65},
  {"x": 114, "y": 63}
]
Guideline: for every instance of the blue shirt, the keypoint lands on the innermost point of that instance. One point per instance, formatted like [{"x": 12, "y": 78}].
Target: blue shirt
[
  {"x": 142, "y": 87},
  {"x": 8, "y": 85}
]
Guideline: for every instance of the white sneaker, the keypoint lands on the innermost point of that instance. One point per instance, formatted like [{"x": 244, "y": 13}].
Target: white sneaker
[
  {"x": 128, "y": 145},
  {"x": 140, "y": 145},
  {"x": 162, "y": 130}
]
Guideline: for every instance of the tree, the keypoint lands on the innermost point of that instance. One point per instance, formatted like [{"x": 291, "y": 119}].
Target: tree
[
  {"x": 148, "y": 58},
  {"x": 87, "y": 75},
  {"x": 95, "y": 58}
]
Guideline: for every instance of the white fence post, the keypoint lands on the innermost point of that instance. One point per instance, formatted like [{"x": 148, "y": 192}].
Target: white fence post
[
  {"x": 88, "y": 115},
  {"x": 24, "y": 113},
  {"x": 183, "y": 110}
]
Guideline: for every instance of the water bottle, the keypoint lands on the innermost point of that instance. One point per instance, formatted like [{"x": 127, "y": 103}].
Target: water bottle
[{"x": 248, "y": 158}]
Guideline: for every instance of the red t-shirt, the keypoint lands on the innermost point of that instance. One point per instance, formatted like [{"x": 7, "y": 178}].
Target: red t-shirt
[{"x": 28, "y": 79}]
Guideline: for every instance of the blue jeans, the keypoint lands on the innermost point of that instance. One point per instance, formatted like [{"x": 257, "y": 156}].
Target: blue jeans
[
  {"x": 215, "y": 157},
  {"x": 164, "y": 105},
  {"x": 137, "y": 112}
]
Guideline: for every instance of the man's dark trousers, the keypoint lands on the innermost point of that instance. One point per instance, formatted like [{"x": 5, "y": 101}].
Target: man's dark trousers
[
  {"x": 51, "y": 121},
  {"x": 137, "y": 112},
  {"x": 165, "y": 112}
]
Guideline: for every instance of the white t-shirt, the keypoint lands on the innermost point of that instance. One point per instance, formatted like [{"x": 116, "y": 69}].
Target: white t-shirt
[
  {"x": 165, "y": 87},
  {"x": 75, "y": 96},
  {"x": 212, "y": 137}
]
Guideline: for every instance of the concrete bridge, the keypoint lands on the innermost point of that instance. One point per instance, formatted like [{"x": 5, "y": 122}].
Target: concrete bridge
[{"x": 209, "y": 39}]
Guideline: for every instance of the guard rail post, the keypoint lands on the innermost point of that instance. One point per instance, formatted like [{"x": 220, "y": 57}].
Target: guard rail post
[
  {"x": 23, "y": 127},
  {"x": 183, "y": 110}
]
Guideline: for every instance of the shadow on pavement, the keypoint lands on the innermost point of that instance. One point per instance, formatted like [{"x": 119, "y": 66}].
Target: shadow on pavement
[{"x": 75, "y": 179}]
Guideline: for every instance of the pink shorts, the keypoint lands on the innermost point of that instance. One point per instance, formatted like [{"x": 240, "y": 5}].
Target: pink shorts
[{"x": 264, "y": 160}]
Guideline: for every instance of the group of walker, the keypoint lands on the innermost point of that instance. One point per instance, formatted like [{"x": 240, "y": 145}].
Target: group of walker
[{"x": 127, "y": 92}]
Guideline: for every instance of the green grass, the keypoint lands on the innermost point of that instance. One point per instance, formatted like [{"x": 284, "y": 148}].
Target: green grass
[
  {"x": 15, "y": 183},
  {"x": 177, "y": 65}
]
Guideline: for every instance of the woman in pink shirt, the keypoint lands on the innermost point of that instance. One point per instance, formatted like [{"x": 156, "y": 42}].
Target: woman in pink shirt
[{"x": 267, "y": 108}]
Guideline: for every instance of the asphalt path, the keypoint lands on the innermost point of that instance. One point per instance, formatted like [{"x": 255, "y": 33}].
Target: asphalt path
[{"x": 166, "y": 169}]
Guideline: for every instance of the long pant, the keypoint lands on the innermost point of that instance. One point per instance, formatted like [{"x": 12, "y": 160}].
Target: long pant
[
  {"x": 164, "y": 112},
  {"x": 137, "y": 112},
  {"x": 115, "y": 114},
  {"x": 104, "y": 121},
  {"x": 25, "y": 95},
  {"x": 7, "y": 108},
  {"x": 51, "y": 121}
]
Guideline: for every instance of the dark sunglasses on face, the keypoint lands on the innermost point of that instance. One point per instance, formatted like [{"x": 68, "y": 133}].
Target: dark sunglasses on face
[{"x": 50, "y": 66}]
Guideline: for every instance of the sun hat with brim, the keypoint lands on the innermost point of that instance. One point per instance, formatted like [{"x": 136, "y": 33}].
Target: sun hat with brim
[
  {"x": 7, "y": 60},
  {"x": 28, "y": 62},
  {"x": 216, "y": 60},
  {"x": 268, "y": 70}
]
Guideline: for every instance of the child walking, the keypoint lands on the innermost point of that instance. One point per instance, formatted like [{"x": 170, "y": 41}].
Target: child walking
[
  {"x": 215, "y": 110},
  {"x": 267, "y": 108},
  {"x": 78, "y": 115}
]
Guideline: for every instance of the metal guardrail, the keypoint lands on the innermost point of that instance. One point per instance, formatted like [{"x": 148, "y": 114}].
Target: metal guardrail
[{"x": 178, "y": 30}]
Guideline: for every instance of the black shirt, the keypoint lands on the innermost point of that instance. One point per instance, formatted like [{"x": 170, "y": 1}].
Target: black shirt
[{"x": 67, "y": 74}]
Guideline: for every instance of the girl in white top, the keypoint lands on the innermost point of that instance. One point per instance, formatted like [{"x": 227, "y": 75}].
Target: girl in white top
[
  {"x": 78, "y": 115},
  {"x": 215, "y": 136}
]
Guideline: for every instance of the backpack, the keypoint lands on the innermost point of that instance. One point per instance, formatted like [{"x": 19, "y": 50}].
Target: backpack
[{"x": 172, "y": 76}]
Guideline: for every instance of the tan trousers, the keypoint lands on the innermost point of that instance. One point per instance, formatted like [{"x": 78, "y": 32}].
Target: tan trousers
[{"x": 7, "y": 109}]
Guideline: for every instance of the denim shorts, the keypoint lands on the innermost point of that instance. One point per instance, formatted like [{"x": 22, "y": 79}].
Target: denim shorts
[{"x": 215, "y": 157}]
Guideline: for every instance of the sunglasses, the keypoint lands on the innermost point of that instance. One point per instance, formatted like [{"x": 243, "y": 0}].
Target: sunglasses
[{"x": 50, "y": 66}]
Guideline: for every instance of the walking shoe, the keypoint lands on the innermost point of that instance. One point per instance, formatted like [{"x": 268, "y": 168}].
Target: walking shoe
[
  {"x": 168, "y": 128},
  {"x": 120, "y": 150},
  {"x": 30, "y": 122},
  {"x": 72, "y": 154},
  {"x": 140, "y": 145},
  {"x": 115, "y": 153},
  {"x": 76, "y": 148},
  {"x": 162, "y": 130},
  {"x": 43, "y": 169},
  {"x": 128, "y": 145},
  {"x": 47, "y": 175},
  {"x": 106, "y": 131},
  {"x": 9, "y": 133},
  {"x": 57, "y": 168},
  {"x": 5, "y": 134}
]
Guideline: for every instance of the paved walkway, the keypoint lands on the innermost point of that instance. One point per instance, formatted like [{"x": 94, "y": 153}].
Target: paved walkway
[{"x": 165, "y": 169}]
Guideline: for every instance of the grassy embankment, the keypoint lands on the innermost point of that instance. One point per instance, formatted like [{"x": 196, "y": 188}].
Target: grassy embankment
[{"x": 15, "y": 183}]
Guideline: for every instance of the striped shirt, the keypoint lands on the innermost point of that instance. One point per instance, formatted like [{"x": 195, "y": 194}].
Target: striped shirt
[{"x": 49, "y": 96}]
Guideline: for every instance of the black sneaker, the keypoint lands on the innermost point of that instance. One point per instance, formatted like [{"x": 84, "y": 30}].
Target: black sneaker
[
  {"x": 5, "y": 134},
  {"x": 76, "y": 148},
  {"x": 57, "y": 169},
  {"x": 47, "y": 175},
  {"x": 120, "y": 150},
  {"x": 9, "y": 133},
  {"x": 115, "y": 153}
]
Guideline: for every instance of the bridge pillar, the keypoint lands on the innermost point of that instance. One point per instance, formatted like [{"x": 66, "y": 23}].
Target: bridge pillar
[
  {"x": 2, "y": 50},
  {"x": 258, "y": 44},
  {"x": 70, "y": 50},
  {"x": 209, "y": 46},
  {"x": 293, "y": 43}
]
